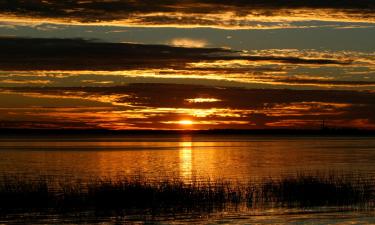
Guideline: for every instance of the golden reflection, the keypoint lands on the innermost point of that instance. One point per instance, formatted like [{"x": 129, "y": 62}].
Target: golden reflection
[
  {"x": 186, "y": 166},
  {"x": 255, "y": 158}
]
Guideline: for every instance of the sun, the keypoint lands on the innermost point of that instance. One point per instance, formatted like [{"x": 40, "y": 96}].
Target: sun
[{"x": 185, "y": 122}]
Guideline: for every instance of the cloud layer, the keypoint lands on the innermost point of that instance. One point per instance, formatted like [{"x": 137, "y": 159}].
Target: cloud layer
[
  {"x": 220, "y": 13},
  {"x": 77, "y": 54},
  {"x": 162, "y": 106},
  {"x": 76, "y": 83},
  {"x": 77, "y": 62}
]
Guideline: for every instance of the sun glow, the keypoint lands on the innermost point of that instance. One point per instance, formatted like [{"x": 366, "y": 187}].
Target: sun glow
[{"x": 185, "y": 122}]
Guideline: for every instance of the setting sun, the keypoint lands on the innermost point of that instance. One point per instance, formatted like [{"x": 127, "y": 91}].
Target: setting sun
[{"x": 185, "y": 122}]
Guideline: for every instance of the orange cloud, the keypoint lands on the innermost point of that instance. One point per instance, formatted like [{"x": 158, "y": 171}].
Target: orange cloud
[{"x": 187, "y": 42}]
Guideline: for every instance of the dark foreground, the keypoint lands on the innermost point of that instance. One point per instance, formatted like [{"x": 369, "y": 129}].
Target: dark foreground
[
  {"x": 302, "y": 199},
  {"x": 255, "y": 179},
  {"x": 299, "y": 191}
]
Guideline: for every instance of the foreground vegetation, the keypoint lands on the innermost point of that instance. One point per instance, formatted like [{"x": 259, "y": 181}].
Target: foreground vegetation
[{"x": 105, "y": 194}]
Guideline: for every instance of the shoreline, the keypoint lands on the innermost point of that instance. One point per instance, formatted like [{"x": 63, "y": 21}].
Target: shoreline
[{"x": 255, "y": 132}]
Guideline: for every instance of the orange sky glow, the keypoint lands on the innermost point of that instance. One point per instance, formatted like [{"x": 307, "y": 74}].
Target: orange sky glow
[{"x": 190, "y": 64}]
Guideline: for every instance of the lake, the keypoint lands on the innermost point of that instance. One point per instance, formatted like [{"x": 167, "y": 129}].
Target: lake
[{"x": 235, "y": 158}]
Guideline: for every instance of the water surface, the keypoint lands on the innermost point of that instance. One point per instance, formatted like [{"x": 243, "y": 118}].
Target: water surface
[
  {"x": 187, "y": 157},
  {"x": 237, "y": 158}
]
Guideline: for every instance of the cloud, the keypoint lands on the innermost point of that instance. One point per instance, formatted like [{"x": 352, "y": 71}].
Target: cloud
[
  {"x": 158, "y": 95},
  {"x": 328, "y": 82},
  {"x": 188, "y": 42},
  {"x": 27, "y": 82},
  {"x": 78, "y": 54},
  {"x": 217, "y": 13},
  {"x": 137, "y": 106},
  {"x": 78, "y": 62}
]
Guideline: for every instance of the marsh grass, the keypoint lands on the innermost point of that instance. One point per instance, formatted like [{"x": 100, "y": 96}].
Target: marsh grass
[
  {"x": 319, "y": 190},
  {"x": 138, "y": 193}
]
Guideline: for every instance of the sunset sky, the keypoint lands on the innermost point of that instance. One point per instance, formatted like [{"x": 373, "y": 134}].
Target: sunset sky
[{"x": 189, "y": 64}]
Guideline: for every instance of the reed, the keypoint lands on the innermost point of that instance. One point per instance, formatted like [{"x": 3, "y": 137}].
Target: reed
[
  {"x": 319, "y": 190},
  {"x": 125, "y": 193}
]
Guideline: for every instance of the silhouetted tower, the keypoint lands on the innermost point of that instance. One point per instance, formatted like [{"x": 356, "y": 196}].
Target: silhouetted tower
[{"x": 323, "y": 125}]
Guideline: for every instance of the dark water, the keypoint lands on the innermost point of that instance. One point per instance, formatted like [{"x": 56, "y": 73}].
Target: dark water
[{"x": 235, "y": 158}]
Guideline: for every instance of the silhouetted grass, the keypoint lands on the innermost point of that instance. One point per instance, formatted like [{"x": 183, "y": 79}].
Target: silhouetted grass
[
  {"x": 322, "y": 190},
  {"x": 125, "y": 193}
]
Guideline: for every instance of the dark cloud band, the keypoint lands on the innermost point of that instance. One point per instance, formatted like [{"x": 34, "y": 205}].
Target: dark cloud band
[
  {"x": 139, "y": 105},
  {"x": 147, "y": 11},
  {"x": 159, "y": 95},
  {"x": 77, "y": 54}
]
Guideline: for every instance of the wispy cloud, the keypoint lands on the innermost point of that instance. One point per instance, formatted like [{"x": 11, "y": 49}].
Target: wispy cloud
[
  {"x": 77, "y": 62},
  {"x": 150, "y": 106},
  {"x": 217, "y": 13},
  {"x": 188, "y": 42},
  {"x": 77, "y": 54}
]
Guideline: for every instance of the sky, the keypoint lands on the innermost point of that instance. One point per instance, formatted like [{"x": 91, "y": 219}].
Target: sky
[{"x": 188, "y": 64}]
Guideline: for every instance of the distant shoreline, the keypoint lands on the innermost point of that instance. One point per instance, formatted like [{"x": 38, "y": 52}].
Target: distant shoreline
[{"x": 275, "y": 132}]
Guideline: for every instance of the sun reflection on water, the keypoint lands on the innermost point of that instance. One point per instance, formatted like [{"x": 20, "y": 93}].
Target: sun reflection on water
[{"x": 186, "y": 158}]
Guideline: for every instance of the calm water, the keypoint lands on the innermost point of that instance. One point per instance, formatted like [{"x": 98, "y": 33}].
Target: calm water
[
  {"x": 187, "y": 157},
  {"x": 236, "y": 158}
]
